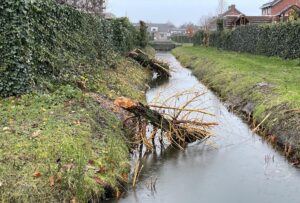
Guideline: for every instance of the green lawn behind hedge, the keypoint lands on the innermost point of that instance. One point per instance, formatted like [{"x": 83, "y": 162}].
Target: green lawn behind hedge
[{"x": 233, "y": 73}]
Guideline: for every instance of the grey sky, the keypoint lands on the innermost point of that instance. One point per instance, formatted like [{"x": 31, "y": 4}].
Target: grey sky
[{"x": 176, "y": 11}]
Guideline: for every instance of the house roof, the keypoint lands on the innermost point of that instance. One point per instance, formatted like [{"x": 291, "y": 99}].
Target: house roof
[
  {"x": 229, "y": 21},
  {"x": 259, "y": 19},
  {"x": 177, "y": 29},
  {"x": 231, "y": 9},
  {"x": 288, "y": 8},
  {"x": 270, "y": 4}
]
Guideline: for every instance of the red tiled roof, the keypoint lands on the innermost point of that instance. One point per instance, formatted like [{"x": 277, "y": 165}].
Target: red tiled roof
[
  {"x": 259, "y": 19},
  {"x": 287, "y": 8}
]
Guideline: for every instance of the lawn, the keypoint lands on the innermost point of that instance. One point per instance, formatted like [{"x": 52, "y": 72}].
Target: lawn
[
  {"x": 271, "y": 84},
  {"x": 234, "y": 73}
]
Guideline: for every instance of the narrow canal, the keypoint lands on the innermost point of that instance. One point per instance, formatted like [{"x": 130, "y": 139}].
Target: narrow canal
[{"x": 233, "y": 166}]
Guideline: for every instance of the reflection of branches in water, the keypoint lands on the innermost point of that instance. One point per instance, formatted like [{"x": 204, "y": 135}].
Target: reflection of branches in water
[
  {"x": 180, "y": 106},
  {"x": 174, "y": 120},
  {"x": 158, "y": 81},
  {"x": 151, "y": 184}
]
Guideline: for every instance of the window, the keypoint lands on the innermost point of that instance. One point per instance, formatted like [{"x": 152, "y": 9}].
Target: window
[{"x": 269, "y": 11}]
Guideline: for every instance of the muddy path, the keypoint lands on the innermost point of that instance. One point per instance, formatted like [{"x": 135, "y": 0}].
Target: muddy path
[{"x": 235, "y": 165}]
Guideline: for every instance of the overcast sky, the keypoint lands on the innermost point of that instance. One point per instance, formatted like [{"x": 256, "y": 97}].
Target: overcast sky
[{"x": 176, "y": 11}]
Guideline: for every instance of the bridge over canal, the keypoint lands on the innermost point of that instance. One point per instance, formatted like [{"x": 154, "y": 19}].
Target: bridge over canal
[{"x": 164, "y": 45}]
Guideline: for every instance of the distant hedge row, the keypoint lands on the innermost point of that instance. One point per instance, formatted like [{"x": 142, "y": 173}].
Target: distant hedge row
[
  {"x": 280, "y": 40},
  {"x": 181, "y": 39},
  {"x": 42, "y": 39}
]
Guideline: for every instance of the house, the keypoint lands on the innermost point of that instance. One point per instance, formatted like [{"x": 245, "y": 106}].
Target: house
[
  {"x": 230, "y": 16},
  {"x": 280, "y": 8},
  {"x": 272, "y": 12},
  {"x": 253, "y": 20},
  {"x": 233, "y": 17},
  {"x": 160, "y": 31},
  {"x": 275, "y": 11},
  {"x": 163, "y": 31},
  {"x": 177, "y": 31}
]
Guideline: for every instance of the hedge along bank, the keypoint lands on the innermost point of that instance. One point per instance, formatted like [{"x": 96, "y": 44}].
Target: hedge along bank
[
  {"x": 42, "y": 41},
  {"x": 182, "y": 39},
  {"x": 59, "y": 143},
  {"x": 281, "y": 40}
]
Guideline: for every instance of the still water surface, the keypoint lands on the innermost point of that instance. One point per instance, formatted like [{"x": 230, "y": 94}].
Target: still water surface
[{"x": 234, "y": 166}]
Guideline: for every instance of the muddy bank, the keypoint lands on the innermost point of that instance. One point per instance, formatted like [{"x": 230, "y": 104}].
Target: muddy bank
[
  {"x": 257, "y": 103},
  {"x": 280, "y": 127}
]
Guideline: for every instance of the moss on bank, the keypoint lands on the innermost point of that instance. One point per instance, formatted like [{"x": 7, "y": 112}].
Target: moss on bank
[
  {"x": 255, "y": 85},
  {"x": 61, "y": 145}
]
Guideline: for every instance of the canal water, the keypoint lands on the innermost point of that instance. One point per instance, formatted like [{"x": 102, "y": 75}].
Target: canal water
[{"x": 234, "y": 166}]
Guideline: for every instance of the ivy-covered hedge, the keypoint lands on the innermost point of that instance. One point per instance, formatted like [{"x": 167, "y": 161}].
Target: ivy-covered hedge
[
  {"x": 198, "y": 37},
  {"x": 280, "y": 40},
  {"x": 42, "y": 40}
]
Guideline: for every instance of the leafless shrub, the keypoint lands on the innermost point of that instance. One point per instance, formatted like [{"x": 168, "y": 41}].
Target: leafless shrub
[{"x": 92, "y": 6}]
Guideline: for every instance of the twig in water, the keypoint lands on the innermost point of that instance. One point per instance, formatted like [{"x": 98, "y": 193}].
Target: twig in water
[
  {"x": 137, "y": 171},
  {"x": 257, "y": 127}
]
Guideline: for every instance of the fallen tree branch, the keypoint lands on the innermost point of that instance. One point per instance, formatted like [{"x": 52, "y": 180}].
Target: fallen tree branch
[
  {"x": 195, "y": 123},
  {"x": 257, "y": 127},
  {"x": 292, "y": 111},
  {"x": 181, "y": 109},
  {"x": 162, "y": 69},
  {"x": 178, "y": 133}
]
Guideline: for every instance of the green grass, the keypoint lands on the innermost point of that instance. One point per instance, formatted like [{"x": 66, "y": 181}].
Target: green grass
[
  {"x": 237, "y": 74},
  {"x": 236, "y": 78},
  {"x": 66, "y": 136}
]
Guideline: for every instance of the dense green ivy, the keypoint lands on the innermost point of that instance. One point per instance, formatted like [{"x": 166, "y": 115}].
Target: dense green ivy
[
  {"x": 280, "y": 40},
  {"x": 125, "y": 36},
  {"x": 15, "y": 48},
  {"x": 143, "y": 35},
  {"x": 198, "y": 38},
  {"x": 42, "y": 40}
]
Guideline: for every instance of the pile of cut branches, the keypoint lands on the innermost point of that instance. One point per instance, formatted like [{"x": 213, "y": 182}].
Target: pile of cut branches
[
  {"x": 178, "y": 125},
  {"x": 161, "y": 68}
]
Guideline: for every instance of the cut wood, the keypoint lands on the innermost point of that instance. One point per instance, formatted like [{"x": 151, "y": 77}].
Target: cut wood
[
  {"x": 162, "y": 69},
  {"x": 180, "y": 132}
]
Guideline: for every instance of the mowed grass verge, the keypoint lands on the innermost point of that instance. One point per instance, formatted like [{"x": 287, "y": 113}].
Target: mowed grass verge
[{"x": 271, "y": 84}]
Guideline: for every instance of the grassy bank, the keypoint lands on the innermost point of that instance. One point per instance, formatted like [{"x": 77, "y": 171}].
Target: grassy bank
[
  {"x": 267, "y": 88},
  {"x": 68, "y": 144}
]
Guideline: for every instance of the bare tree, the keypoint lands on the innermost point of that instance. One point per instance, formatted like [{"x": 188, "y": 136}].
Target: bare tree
[
  {"x": 92, "y": 6},
  {"x": 221, "y": 7},
  {"x": 207, "y": 22},
  {"x": 170, "y": 24}
]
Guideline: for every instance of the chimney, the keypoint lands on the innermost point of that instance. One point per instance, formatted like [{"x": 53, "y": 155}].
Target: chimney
[{"x": 231, "y": 7}]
